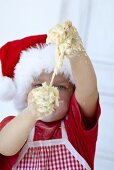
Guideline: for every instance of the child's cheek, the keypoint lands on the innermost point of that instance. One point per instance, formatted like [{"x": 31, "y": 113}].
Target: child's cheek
[
  {"x": 65, "y": 96},
  {"x": 61, "y": 111}
]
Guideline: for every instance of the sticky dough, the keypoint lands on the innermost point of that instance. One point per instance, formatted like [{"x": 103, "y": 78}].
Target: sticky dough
[{"x": 65, "y": 38}]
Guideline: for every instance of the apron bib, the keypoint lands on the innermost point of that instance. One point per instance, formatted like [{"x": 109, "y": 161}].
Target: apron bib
[{"x": 54, "y": 154}]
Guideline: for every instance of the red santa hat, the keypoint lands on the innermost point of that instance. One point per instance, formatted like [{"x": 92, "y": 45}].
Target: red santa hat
[{"x": 23, "y": 60}]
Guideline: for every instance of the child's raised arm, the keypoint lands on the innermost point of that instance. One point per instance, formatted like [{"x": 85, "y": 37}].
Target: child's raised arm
[
  {"x": 68, "y": 43},
  {"x": 86, "y": 84}
]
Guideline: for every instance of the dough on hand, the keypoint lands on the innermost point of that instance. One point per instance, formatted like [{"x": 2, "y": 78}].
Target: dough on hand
[
  {"x": 67, "y": 41},
  {"x": 46, "y": 98}
]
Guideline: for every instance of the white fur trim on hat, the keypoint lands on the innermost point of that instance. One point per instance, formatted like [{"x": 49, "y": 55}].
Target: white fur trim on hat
[
  {"x": 7, "y": 88},
  {"x": 32, "y": 62}
]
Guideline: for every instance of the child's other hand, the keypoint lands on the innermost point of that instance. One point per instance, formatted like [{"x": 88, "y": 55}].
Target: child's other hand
[
  {"x": 73, "y": 45},
  {"x": 67, "y": 39}
]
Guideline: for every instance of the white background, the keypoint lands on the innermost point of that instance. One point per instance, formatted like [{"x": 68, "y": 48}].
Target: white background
[{"x": 94, "y": 21}]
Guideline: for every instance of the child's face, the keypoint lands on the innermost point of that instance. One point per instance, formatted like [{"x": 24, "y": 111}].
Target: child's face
[{"x": 66, "y": 90}]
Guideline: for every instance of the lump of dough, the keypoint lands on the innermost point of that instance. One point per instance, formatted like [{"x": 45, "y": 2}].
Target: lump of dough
[
  {"x": 46, "y": 98},
  {"x": 66, "y": 38}
]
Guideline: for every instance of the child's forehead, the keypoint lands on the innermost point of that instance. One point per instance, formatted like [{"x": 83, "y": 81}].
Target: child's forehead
[{"x": 45, "y": 76}]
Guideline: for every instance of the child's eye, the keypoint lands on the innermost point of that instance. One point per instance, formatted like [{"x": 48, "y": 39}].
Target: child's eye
[
  {"x": 61, "y": 87},
  {"x": 37, "y": 85}
]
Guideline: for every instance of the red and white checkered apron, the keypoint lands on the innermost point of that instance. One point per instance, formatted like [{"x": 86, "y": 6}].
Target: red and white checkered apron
[{"x": 55, "y": 154}]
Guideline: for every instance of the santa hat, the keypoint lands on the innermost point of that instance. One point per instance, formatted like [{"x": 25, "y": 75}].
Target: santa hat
[{"x": 23, "y": 60}]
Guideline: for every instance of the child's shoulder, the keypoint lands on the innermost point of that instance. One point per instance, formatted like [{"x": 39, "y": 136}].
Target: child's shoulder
[{"x": 5, "y": 121}]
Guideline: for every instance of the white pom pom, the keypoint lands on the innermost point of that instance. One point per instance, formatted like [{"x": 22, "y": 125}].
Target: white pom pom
[{"x": 7, "y": 88}]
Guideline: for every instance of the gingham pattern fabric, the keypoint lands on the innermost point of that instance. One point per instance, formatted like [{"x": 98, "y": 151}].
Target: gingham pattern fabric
[{"x": 54, "y": 157}]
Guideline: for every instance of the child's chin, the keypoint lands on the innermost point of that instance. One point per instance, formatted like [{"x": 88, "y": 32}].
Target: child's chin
[
  {"x": 56, "y": 115},
  {"x": 52, "y": 118},
  {"x": 49, "y": 118}
]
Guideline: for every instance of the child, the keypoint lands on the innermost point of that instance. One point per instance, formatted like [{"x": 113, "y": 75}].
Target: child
[{"x": 63, "y": 140}]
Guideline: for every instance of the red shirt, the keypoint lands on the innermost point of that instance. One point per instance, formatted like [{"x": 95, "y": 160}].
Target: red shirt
[{"x": 84, "y": 141}]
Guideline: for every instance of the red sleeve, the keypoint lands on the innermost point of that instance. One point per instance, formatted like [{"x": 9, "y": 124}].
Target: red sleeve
[
  {"x": 84, "y": 141},
  {"x": 5, "y": 121}
]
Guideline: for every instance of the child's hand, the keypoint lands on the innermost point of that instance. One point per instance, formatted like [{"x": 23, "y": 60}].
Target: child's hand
[
  {"x": 67, "y": 40},
  {"x": 32, "y": 108}
]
